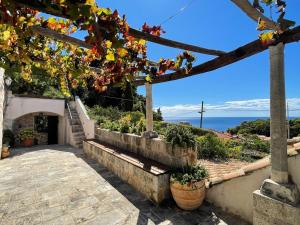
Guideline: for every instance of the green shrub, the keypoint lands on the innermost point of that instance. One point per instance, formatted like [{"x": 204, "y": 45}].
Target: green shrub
[
  {"x": 261, "y": 127},
  {"x": 211, "y": 147},
  {"x": 53, "y": 93},
  {"x": 234, "y": 152},
  {"x": 8, "y": 138},
  {"x": 141, "y": 126},
  {"x": 112, "y": 126},
  {"x": 125, "y": 123},
  {"x": 189, "y": 174},
  {"x": 110, "y": 113},
  {"x": 134, "y": 117},
  {"x": 253, "y": 142},
  {"x": 161, "y": 127},
  {"x": 234, "y": 148},
  {"x": 180, "y": 136}
]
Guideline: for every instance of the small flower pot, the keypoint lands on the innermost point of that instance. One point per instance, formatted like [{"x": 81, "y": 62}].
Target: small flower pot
[
  {"x": 189, "y": 196},
  {"x": 27, "y": 142},
  {"x": 5, "y": 152}
]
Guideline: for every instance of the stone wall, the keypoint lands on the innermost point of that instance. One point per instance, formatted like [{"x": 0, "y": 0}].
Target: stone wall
[
  {"x": 236, "y": 195},
  {"x": 155, "y": 187},
  {"x": 155, "y": 149}
]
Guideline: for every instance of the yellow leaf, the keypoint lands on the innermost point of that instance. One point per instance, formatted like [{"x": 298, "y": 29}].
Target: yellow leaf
[
  {"x": 51, "y": 20},
  {"x": 142, "y": 42},
  {"x": 148, "y": 78},
  {"x": 105, "y": 11},
  {"x": 122, "y": 52},
  {"x": 108, "y": 44},
  {"x": 21, "y": 19},
  {"x": 110, "y": 55},
  {"x": 6, "y": 35},
  {"x": 262, "y": 25}
]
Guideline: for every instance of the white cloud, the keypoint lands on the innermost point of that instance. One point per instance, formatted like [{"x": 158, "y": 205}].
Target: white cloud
[{"x": 253, "y": 107}]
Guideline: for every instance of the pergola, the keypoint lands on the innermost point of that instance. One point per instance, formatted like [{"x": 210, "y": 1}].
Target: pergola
[{"x": 279, "y": 160}]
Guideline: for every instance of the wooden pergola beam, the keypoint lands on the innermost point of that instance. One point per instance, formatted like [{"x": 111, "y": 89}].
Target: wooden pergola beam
[
  {"x": 238, "y": 54},
  {"x": 254, "y": 14},
  {"x": 174, "y": 44},
  {"x": 42, "y": 7}
]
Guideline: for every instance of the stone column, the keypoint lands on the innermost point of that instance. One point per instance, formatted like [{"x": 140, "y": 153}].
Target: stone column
[
  {"x": 277, "y": 200},
  {"x": 279, "y": 161},
  {"x": 2, "y": 95},
  {"x": 149, "y": 113},
  {"x": 149, "y": 108}
]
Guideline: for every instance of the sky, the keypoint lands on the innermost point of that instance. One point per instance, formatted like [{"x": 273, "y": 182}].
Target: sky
[{"x": 240, "y": 89}]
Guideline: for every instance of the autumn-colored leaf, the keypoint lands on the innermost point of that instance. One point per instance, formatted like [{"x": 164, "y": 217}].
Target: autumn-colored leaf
[
  {"x": 122, "y": 52},
  {"x": 261, "y": 25},
  {"x": 110, "y": 56},
  {"x": 108, "y": 44},
  {"x": 267, "y": 38},
  {"x": 6, "y": 35}
]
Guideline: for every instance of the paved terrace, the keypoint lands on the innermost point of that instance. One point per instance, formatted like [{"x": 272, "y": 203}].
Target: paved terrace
[{"x": 57, "y": 185}]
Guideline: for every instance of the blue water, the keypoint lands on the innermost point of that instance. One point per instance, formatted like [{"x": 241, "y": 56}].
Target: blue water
[{"x": 215, "y": 123}]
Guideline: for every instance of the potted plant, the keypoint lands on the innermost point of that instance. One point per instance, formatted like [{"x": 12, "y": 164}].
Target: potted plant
[
  {"x": 188, "y": 186},
  {"x": 26, "y": 137},
  {"x": 5, "y": 151},
  {"x": 7, "y": 141}
]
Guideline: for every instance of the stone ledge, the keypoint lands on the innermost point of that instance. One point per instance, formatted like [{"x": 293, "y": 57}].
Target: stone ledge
[
  {"x": 147, "y": 176},
  {"x": 154, "y": 148},
  {"x": 287, "y": 193},
  {"x": 269, "y": 211}
]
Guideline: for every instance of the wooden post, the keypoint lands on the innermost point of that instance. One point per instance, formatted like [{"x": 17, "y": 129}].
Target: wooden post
[
  {"x": 279, "y": 159},
  {"x": 2, "y": 95}
]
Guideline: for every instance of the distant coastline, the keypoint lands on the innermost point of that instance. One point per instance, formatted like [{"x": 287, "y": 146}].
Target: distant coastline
[{"x": 214, "y": 123}]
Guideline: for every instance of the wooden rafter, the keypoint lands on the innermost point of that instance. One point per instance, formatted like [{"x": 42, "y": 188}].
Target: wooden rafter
[
  {"x": 38, "y": 5},
  {"x": 254, "y": 14},
  {"x": 238, "y": 54},
  {"x": 173, "y": 44}
]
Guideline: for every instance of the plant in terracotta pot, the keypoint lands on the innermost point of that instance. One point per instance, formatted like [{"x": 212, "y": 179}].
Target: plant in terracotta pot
[
  {"x": 7, "y": 141},
  {"x": 188, "y": 186},
  {"x": 26, "y": 137},
  {"x": 5, "y": 151}
]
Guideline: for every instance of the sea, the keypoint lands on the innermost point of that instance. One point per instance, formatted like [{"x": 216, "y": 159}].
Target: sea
[{"x": 214, "y": 123}]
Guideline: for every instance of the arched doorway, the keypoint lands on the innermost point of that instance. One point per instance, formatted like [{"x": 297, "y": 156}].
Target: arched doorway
[{"x": 45, "y": 124}]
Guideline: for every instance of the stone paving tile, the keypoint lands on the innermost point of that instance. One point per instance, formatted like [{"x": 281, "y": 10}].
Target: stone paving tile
[{"x": 57, "y": 185}]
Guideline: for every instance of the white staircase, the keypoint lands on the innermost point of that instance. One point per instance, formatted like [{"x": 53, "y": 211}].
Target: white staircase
[{"x": 76, "y": 126}]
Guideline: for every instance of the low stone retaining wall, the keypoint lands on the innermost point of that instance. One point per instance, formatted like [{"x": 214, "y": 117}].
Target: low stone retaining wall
[
  {"x": 155, "y": 149},
  {"x": 148, "y": 177}
]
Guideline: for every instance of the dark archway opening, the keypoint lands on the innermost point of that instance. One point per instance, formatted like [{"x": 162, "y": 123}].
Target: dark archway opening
[{"x": 52, "y": 130}]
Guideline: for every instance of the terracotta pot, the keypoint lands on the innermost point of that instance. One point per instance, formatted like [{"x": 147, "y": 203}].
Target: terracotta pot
[
  {"x": 5, "y": 152},
  {"x": 189, "y": 196},
  {"x": 27, "y": 142}
]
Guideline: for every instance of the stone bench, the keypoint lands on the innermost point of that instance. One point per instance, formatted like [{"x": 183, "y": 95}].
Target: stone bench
[{"x": 147, "y": 176}]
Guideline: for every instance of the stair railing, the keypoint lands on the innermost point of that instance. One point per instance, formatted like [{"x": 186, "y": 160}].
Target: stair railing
[{"x": 69, "y": 111}]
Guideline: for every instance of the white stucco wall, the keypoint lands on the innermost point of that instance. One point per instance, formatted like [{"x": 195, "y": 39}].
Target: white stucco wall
[
  {"x": 87, "y": 123},
  {"x": 19, "y": 106},
  {"x": 236, "y": 195}
]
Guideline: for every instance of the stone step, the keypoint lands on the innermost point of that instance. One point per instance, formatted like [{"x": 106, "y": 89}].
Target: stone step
[
  {"x": 78, "y": 134},
  {"x": 75, "y": 122},
  {"x": 77, "y": 128}
]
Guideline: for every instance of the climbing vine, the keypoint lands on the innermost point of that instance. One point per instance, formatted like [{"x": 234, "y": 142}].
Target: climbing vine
[
  {"x": 115, "y": 56},
  {"x": 270, "y": 35}
]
